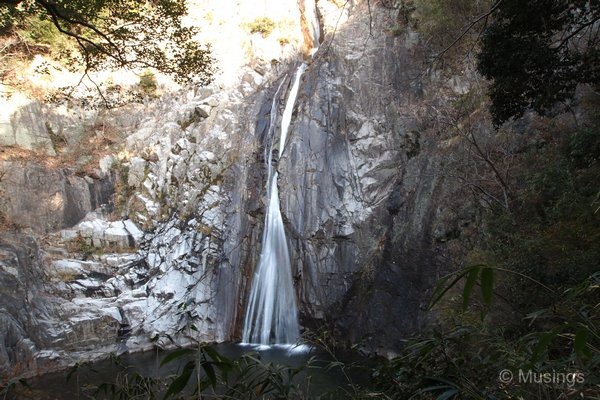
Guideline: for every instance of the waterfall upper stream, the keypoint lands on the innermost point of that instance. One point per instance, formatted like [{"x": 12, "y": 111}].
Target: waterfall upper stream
[{"x": 271, "y": 316}]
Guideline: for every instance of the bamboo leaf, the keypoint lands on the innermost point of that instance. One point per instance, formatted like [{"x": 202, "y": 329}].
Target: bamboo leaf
[
  {"x": 213, "y": 354},
  {"x": 175, "y": 355},
  {"x": 181, "y": 381},
  {"x": 442, "y": 287},
  {"x": 487, "y": 284},
  {"x": 469, "y": 284},
  {"x": 580, "y": 342},
  {"x": 543, "y": 344},
  {"x": 210, "y": 372}
]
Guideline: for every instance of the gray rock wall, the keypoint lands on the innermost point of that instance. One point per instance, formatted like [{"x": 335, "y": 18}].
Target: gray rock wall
[
  {"x": 48, "y": 199},
  {"x": 23, "y": 312},
  {"x": 363, "y": 187}
]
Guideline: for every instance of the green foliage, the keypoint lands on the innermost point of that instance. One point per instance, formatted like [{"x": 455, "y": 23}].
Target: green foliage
[
  {"x": 148, "y": 83},
  {"x": 554, "y": 234},
  {"x": 40, "y": 31},
  {"x": 262, "y": 25},
  {"x": 443, "y": 20},
  {"x": 115, "y": 33},
  {"x": 537, "y": 52},
  {"x": 204, "y": 373},
  {"x": 471, "y": 355},
  {"x": 10, "y": 16},
  {"x": 84, "y": 247}
]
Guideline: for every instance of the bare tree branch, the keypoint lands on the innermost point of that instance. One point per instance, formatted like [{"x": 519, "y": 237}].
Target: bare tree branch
[{"x": 466, "y": 30}]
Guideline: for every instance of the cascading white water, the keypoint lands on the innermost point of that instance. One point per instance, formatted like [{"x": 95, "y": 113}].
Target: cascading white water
[{"x": 271, "y": 316}]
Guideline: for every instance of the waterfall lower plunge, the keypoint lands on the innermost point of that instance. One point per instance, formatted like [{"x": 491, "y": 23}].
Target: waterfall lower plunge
[{"x": 271, "y": 316}]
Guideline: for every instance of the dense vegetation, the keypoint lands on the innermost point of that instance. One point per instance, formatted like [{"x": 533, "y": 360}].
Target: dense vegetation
[
  {"x": 535, "y": 53},
  {"x": 538, "y": 52},
  {"x": 91, "y": 35},
  {"x": 536, "y": 264}
]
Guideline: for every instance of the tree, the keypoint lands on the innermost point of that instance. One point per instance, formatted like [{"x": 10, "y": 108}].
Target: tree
[
  {"x": 537, "y": 52},
  {"x": 120, "y": 33}
]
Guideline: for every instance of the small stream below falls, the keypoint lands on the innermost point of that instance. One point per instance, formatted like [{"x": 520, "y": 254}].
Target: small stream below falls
[{"x": 315, "y": 380}]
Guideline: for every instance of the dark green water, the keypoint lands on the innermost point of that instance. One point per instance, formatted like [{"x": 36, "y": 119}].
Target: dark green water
[{"x": 319, "y": 377}]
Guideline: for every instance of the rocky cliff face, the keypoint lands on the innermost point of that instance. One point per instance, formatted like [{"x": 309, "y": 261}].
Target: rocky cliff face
[
  {"x": 369, "y": 214},
  {"x": 363, "y": 186}
]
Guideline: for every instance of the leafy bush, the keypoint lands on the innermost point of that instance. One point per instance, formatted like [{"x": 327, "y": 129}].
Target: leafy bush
[
  {"x": 554, "y": 234},
  {"x": 262, "y": 25},
  {"x": 148, "y": 83},
  {"x": 114, "y": 34},
  {"x": 40, "y": 31},
  {"x": 537, "y": 53}
]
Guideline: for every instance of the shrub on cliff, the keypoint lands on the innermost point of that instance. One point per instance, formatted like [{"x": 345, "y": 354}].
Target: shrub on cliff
[
  {"x": 535, "y": 53},
  {"x": 262, "y": 25}
]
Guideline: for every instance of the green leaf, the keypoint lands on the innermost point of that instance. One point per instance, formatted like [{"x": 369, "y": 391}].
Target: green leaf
[
  {"x": 543, "y": 344},
  {"x": 535, "y": 315},
  {"x": 333, "y": 364},
  {"x": 487, "y": 284},
  {"x": 469, "y": 284},
  {"x": 213, "y": 353},
  {"x": 580, "y": 342},
  {"x": 181, "y": 381},
  {"x": 442, "y": 287},
  {"x": 175, "y": 355},
  {"x": 210, "y": 372}
]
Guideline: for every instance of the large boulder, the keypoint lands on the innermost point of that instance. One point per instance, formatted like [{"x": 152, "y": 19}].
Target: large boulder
[
  {"x": 22, "y": 125},
  {"x": 48, "y": 199}
]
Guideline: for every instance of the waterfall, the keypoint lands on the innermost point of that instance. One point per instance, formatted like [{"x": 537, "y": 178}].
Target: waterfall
[{"x": 271, "y": 316}]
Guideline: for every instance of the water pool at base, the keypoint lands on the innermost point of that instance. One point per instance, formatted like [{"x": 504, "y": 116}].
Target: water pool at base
[{"x": 316, "y": 378}]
